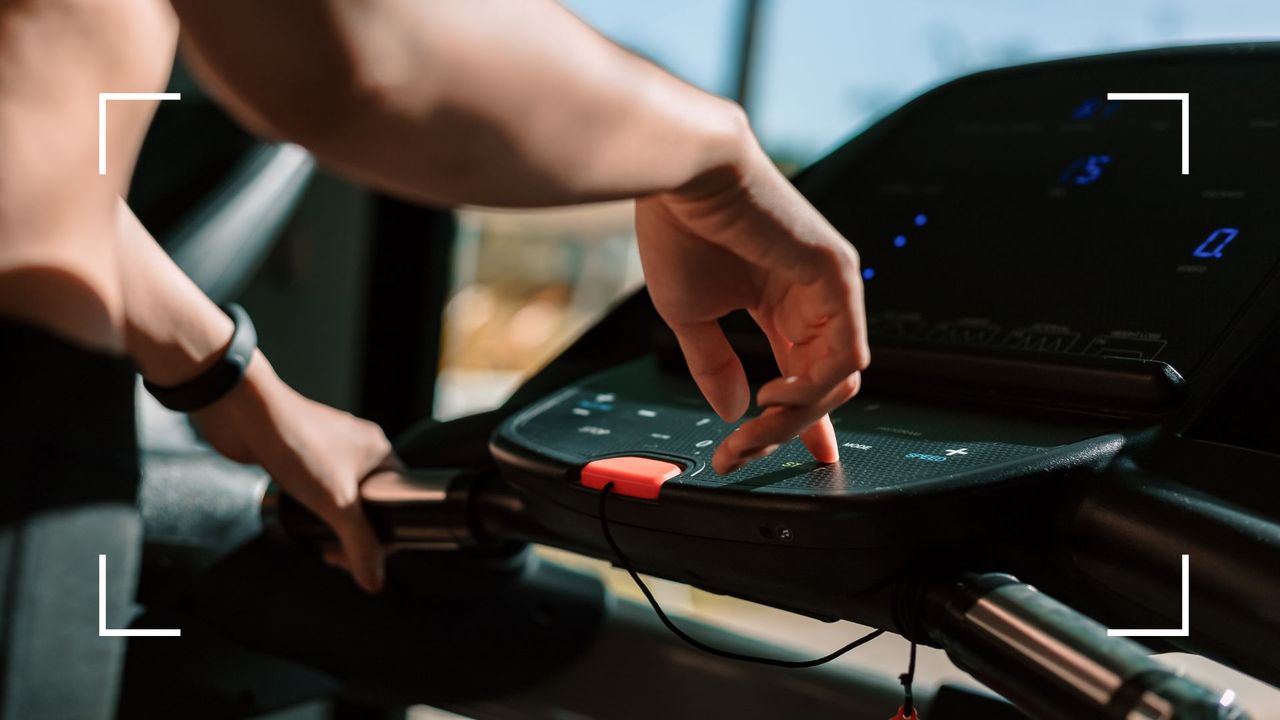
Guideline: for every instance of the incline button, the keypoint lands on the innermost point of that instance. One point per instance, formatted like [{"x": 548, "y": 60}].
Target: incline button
[{"x": 635, "y": 477}]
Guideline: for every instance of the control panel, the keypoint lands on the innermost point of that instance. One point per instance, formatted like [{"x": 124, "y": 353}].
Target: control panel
[
  {"x": 1022, "y": 211},
  {"x": 636, "y": 410}
]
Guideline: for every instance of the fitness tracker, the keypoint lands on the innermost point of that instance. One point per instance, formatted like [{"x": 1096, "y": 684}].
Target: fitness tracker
[{"x": 209, "y": 386}]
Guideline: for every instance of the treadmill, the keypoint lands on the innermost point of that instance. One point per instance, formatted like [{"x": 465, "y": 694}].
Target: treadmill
[{"x": 1072, "y": 388}]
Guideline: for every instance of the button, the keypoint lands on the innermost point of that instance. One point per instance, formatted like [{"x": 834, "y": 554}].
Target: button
[
  {"x": 635, "y": 477},
  {"x": 1214, "y": 244}
]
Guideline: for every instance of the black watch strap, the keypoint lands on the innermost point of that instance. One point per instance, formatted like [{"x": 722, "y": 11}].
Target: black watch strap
[{"x": 218, "y": 380}]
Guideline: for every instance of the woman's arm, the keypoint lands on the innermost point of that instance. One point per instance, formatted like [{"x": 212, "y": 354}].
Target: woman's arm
[
  {"x": 75, "y": 261},
  {"x": 488, "y": 102},
  {"x": 318, "y": 454},
  {"x": 517, "y": 103}
]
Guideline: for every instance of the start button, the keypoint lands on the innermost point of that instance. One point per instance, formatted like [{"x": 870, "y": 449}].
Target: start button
[{"x": 635, "y": 477}]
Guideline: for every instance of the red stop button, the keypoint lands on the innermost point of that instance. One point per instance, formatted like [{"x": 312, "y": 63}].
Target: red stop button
[{"x": 635, "y": 477}]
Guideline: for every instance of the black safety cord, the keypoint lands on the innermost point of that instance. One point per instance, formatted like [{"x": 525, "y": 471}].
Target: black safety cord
[
  {"x": 626, "y": 565},
  {"x": 908, "y": 702}
]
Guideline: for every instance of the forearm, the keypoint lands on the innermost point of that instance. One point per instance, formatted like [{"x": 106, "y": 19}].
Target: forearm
[
  {"x": 172, "y": 330},
  {"x": 478, "y": 102}
]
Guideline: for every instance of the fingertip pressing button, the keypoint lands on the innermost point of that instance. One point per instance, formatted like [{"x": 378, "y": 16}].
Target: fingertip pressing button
[{"x": 636, "y": 477}]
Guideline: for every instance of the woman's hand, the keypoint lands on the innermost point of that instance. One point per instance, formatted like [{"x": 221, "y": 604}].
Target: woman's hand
[
  {"x": 319, "y": 455},
  {"x": 742, "y": 237}
]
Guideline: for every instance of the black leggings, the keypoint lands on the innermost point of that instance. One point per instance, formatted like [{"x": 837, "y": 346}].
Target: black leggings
[{"x": 68, "y": 485}]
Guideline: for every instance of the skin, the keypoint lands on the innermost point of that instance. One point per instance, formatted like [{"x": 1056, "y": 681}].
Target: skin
[{"x": 484, "y": 102}]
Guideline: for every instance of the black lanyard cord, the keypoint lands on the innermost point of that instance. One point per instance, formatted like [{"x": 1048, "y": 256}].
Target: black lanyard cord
[
  {"x": 908, "y": 701},
  {"x": 625, "y": 564}
]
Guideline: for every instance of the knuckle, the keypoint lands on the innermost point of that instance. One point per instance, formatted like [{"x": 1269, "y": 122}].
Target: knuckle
[
  {"x": 845, "y": 366},
  {"x": 845, "y": 258},
  {"x": 844, "y": 267},
  {"x": 850, "y": 385},
  {"x": 862, "y": 358},
  {"x": 377, "y": 437},
  {"x": 343, "y": 498}
]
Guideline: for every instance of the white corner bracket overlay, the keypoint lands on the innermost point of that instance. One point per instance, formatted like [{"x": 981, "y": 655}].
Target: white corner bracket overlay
[
  {"x": 1183, "y": 631},
  {"x": 103, "y": 99},
  {"x": 103, "y": 630},
  {"x": 1185, "y": 100}
]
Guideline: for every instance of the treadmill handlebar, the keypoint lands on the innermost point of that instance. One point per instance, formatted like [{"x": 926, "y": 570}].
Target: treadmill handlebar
[
  {"x": 1053, "y": 662},
  {"x": 414, "y": 510},
  {"x": 1214, "y": 503}
]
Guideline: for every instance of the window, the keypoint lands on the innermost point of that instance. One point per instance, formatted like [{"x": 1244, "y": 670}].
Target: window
[{"x": 824, "y": 69}]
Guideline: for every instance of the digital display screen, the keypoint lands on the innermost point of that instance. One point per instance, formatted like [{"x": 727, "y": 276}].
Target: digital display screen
[{"x": 1020, "y": 211}]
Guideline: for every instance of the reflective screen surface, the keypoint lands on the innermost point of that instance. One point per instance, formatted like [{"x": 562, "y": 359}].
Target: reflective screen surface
[{"x": 1024, "y": 211}]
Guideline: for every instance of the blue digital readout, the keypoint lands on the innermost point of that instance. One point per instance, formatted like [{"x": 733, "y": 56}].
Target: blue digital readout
[
  {"x": 1084, "y": 170},
  {"x": 1095, "y": 108},
  {"x": 1217, "y": 241}
]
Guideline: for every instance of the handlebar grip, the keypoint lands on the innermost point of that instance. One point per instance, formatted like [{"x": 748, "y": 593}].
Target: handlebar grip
[
  {"x": 419, "y": 509},
  {"x": 1056, "y": 663}
]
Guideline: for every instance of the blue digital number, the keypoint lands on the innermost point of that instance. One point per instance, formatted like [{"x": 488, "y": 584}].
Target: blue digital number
[
  {"x": 1084, "y": 170},
  {"x": 1217, "y": 241},
  {"x": 1094, "y": 108}
]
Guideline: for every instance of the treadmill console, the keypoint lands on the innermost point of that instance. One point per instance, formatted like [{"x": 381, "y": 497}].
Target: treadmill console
[
  {"x": 889, "y": 445},
  {"x": 1045, "y": 287},
  {"x": 1022, "y": 213}
]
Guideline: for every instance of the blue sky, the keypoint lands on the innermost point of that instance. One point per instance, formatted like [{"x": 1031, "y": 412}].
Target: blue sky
[{"x": 829, "y": 67}]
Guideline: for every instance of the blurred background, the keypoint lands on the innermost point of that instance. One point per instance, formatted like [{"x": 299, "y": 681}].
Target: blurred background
[{"x": 398, "y": 313}]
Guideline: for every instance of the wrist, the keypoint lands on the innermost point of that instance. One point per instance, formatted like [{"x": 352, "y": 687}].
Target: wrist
[
  {"x": 254, "y": 396},
  {"x": 732, "y": 157},
  {"x": 170, "y": 355}
]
